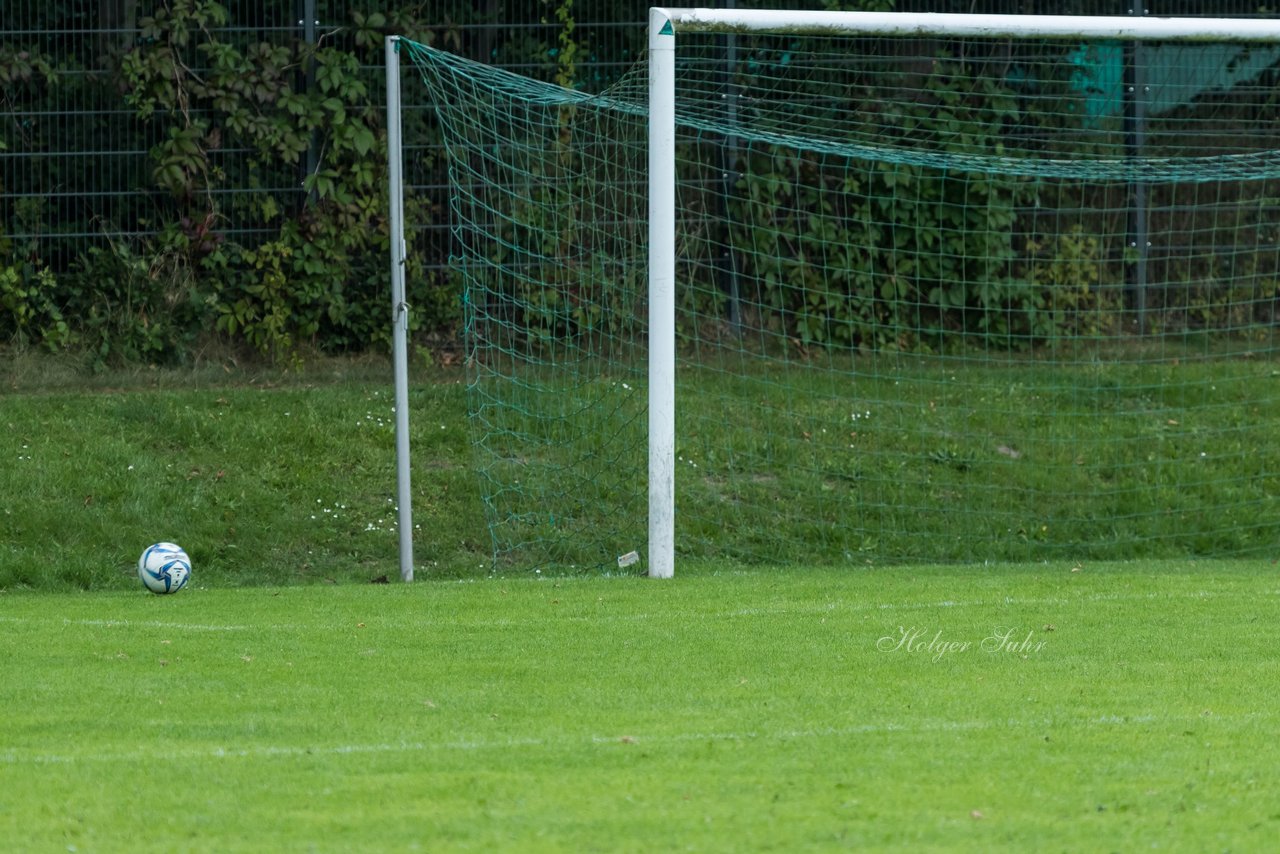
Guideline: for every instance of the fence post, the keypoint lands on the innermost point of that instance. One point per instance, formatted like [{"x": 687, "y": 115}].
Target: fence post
[
  {"x": 306, "y": 11},
  {"x": 1138, "y": 242}
]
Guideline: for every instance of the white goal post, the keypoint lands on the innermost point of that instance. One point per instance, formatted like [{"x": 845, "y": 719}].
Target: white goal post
[
  {"x": 399, "y": 306},
  {"x": 665, "y": 24}
]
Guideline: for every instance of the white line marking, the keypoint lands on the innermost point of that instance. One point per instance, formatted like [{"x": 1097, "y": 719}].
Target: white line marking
[
  {"x": 12, "y": 757},
  {"x": 605, "y": 617},
  {"x": 111, "y": 624},
  {"x": 157, "y": 624}
]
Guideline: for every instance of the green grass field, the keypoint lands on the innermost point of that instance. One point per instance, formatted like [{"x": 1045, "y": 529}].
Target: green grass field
[
  {"x": 283, "y": 703},
  {"x": 847, "y": 460},
  {"x": 279, "y": 477},
  {"x": 265, "y": 478},
  {"x": 1056, "y": 707}
]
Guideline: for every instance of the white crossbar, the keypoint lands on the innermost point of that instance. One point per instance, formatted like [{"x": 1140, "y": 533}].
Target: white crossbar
[{"x": 993, "y": 26}]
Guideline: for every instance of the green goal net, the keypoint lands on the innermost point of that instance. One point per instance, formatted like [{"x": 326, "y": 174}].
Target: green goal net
[{"x": 938, "y": 299}]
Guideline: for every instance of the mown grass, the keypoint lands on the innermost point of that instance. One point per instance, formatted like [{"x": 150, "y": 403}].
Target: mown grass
[
  {"x": 1072, "y": 705},
  {"x": 880, "y": 459},
  {"x": 276, "y": 476},
  {"x": 997, "y": 462},
  {"x": 265, "y": 478},
  {"x": 1131, "y": 706}
]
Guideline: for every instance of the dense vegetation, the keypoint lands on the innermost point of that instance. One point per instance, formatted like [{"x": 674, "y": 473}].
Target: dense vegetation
[{"x": 184, "y": 172}]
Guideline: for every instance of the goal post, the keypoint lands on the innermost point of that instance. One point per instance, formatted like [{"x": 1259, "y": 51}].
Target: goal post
[
  {"x": 871, "y": 288},
  {"x": 399, "y": 307},
  {"x": 662, "y": 301}
]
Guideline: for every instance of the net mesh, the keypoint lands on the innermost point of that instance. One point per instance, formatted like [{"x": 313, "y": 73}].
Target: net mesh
[{"x": 938, "y": 300}]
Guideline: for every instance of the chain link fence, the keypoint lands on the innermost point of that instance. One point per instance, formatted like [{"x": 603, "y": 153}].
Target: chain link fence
[{"x": 92, "y": 162}]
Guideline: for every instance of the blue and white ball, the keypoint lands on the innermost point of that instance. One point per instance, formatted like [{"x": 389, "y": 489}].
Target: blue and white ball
[{"x": 164, "y": 568}]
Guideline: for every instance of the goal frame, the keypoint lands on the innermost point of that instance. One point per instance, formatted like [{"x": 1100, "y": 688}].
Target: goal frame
[{"x": 666, "y": 23}]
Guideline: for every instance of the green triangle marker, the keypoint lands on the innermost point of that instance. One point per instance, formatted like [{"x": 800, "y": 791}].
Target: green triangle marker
[{"x": 666, "y": 29}]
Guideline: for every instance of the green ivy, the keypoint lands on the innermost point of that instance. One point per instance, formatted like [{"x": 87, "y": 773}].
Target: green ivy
[
  {"x": 310, "y": 272},
  {"x": 28, "y": 311}
]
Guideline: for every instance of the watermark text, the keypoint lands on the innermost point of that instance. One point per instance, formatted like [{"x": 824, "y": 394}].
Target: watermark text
[{"x": 936, "y": 645}]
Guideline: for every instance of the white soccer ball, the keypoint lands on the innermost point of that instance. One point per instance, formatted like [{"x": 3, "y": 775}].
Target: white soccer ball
[{"x": 164, "y": 568}]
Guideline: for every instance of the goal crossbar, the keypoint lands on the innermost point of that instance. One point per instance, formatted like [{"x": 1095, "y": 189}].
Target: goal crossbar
[
  {"x": 665, "y": 23},
  {"x": 1136, "y": 28}
]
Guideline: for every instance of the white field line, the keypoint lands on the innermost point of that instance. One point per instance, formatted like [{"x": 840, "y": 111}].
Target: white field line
[
  {"x": 201, "y": 754},
  {"x": 1007, "y": 600},
  {"x": 641, "y": 616},
  {"x": 113, "y": 624}
]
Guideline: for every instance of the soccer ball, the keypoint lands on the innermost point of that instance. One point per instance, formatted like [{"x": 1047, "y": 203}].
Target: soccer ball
[{"x": 164, "y": 568}]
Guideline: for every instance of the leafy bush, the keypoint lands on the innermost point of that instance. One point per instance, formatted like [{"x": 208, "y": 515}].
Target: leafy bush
[{"x": 213, "y": 251}]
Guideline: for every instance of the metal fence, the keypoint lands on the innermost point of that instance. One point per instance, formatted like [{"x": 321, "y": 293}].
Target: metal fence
[
  {"x": 77, "y": 157},
  {"x": 76, "y": 164}
]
